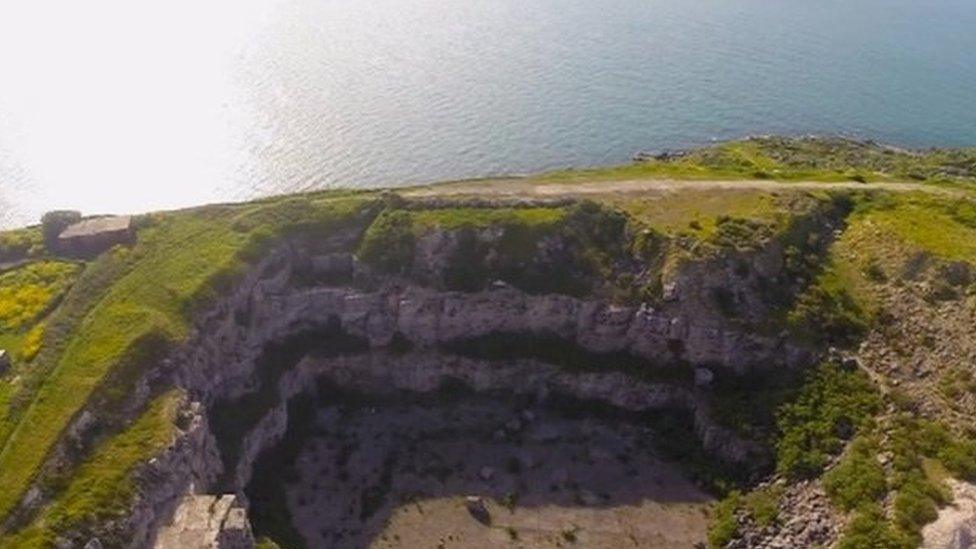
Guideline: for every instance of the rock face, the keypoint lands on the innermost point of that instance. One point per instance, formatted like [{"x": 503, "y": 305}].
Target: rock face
[
  {"x": 218, "y": 363},
  {"x": 207, "y": 522},
  {"x": 956, "y": 526}
]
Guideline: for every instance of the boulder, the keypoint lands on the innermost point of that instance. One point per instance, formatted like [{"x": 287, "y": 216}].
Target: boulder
[
  {"x": 218, "y": 522},
  {"x": 476, "y": 507}
]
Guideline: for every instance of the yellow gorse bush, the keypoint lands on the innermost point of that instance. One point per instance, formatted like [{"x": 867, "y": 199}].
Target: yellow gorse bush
[{"x": 27, "y": 292}]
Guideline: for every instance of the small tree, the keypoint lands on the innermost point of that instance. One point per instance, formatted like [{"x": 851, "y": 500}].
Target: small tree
[{"x": 54, "y": 223}]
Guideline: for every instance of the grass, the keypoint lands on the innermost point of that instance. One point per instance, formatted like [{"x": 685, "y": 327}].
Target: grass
[
  {"x": 761, "y": 506},
  {"x": 946, "y": 229},
  {"x": 182, "y": 262},
  {"x": 102, "y": 486},
  {"x": 794, "y": 159},
  {"x": 826, "y": 312},
  {"x": 696, "y": 212},
  {"x": 462, "y": 217},
  {"x": 882, "y": 233}
]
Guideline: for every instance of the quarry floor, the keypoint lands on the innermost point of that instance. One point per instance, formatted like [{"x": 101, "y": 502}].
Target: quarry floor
[{"x": 405, "y": 474}]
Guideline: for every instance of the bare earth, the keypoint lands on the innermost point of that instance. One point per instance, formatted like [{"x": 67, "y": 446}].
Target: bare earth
[{"x": 532, "y": 188}]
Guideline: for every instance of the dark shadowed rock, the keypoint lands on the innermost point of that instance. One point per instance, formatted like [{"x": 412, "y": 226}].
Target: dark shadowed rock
[{"x": 476, "y": 506}]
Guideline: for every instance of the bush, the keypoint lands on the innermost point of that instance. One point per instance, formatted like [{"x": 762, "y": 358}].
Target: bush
[
  {"x": 915, "y": 505},
  {"x": 28, "y": 292},
  {"x": 724, "y": 526},
  {"x": 833, "y": 404},
  {"x": 54, "y": 222},
  {"x": 858, "y": 479},
  {"x": 825, "y": 315},
  {"x": 763, "y": 505},
  {"x": 870, "y": 530}
]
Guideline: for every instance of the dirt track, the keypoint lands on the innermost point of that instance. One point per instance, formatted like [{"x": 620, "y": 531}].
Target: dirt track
[{"x": 530, "y": 188}]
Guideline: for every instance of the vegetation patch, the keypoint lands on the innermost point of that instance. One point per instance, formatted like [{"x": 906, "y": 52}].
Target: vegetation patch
[
  {"x": 859, "y": 479},
  {"x": 794, "y": 159},
  {"x": 102, "y": 486},
  {"x": 26, "y": 293},
  {"x": 21, "y": 244},
  {"x": 832, "y": 406},
  {"x": 760, "y": 506},
  {"x": 539, "y": 250}
]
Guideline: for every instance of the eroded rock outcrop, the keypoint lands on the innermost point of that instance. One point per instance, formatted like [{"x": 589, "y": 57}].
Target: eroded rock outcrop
[{"x": 218, "y": 365}]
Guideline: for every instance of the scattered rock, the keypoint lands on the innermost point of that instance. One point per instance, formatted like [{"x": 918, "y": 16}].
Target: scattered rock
[{"x": 476, "y": 507}]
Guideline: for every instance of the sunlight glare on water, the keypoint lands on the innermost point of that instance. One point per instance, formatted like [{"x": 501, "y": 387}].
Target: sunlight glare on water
[{"x": 129, "y": 106}]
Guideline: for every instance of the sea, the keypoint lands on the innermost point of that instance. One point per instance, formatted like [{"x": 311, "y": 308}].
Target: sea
[{"x": 111, "y": 106}]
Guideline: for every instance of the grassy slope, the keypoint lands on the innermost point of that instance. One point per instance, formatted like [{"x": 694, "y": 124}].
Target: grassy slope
[
  {"x": 99, "y": 489},
  {"x": 180, "y": 262}
]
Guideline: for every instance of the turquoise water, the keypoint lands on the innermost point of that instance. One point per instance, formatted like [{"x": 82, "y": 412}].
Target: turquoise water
[{"x": 120, "y": 107}]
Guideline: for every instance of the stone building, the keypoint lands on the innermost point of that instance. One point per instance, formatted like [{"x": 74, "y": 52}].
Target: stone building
[{"x": 93, "y": 236}]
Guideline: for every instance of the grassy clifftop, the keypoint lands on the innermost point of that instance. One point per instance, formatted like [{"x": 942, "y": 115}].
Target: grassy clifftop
[
  {"x": 82, "y": 332},
  {"x": 796, "y": 159}
]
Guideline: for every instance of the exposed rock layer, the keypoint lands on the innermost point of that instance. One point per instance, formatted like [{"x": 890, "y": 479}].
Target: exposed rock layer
[{"x": 217, "y": 364}]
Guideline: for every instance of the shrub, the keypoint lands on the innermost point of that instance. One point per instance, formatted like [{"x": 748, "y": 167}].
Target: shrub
[
  {"x": 54, "y": 222},
  {"x": 825, "y": 314},
  {"x": 870, "y": 530},
  {"x": 763, "y": 505},
  {"x": 29, "y": 291},
  {"x": 915, "y": 505},
  {"x": 858, "y": 479},
  {"x": 32, "y": 343},
  {"x": 724, "y": 525},
  {"x": 833, "y": 404}
]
